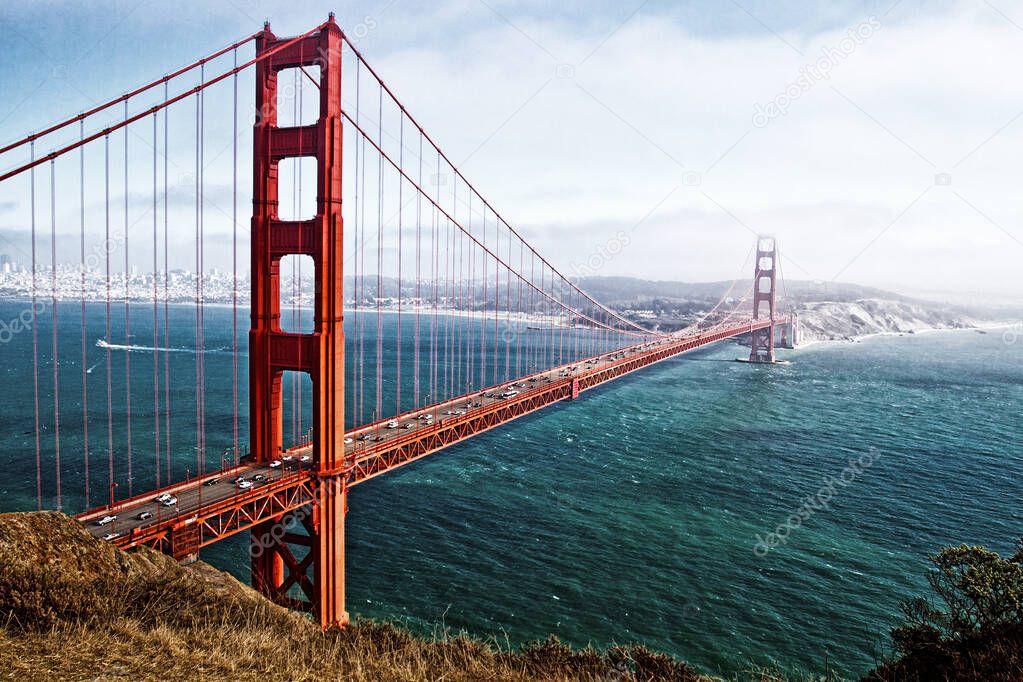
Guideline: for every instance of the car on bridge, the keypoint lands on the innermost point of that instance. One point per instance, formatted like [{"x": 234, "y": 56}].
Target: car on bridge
[
  {"x": 167, "y": 500},
  {"x": 106, "y": 519},
  {"x": 144, "y": 516},
  {"x": 110, "y": 536}
]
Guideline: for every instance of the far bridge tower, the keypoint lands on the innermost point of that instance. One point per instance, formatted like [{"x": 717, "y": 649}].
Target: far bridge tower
[{"x": 764, "y": 290}]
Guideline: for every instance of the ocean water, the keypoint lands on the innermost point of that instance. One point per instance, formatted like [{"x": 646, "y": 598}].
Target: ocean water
[{"x": 635, "y": 512}]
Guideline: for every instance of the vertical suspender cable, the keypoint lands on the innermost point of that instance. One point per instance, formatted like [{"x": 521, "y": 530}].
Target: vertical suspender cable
[
  {"x": 380, "y": 257},
  {"x": 435, "y": 276},
  {"x": 107, "y": 248},
  {"x": 561, "y": 325},
  {"x": 456, "y": 322},
  {"x": 298, "y": 261},
  {"x": 507, "y": 309},
  {"x": 202, "y": 264},
  {"x": 198, "y": 266},
  {"x": 293, "y": 376},
  {"x": 401, "y": 210},
  {"x": 419, "y": 255},
  {"x": 463, "y": 287},
  {"x": 483, "y": 314},
  {"x": 534, "y": 339},
  {"x": 234, "y": 263},
  {"x": 166, "y": 294},
  {"x": 85, "y": 372},
  {"x": 497, "y": 292},
  {"x": 35, "y": 335},
  {"x": 361, "y": 288},
  {"x": 53, "y": 312},
  {"x": 127, "y": 305},
  {"x": 356, "y": 410},
  {"x": 519, "y": 312},
  {"x": 156, "y": 311},
  {"x": 495, "y": 345},
  {"x": 470, "y": 302},
  {"x": 449, "y": 245}
]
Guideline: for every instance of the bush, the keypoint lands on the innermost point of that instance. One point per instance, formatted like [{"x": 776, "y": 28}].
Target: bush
[{"x": 975, "y": 632}]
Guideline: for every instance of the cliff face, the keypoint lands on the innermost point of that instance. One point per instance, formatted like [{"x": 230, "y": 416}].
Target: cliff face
[
  {"x": 830, "y": 320},
  {"x": 75, "y": 608}
]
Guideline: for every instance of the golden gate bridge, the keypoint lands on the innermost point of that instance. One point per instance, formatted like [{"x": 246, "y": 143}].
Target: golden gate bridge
[{"x": 497, "y": 331}]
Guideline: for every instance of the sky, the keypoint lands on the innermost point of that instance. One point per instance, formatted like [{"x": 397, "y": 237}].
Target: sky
[{"x": 878, "y": 141}]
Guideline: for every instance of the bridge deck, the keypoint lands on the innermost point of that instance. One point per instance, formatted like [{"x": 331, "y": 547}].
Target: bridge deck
[{"x": 212, "y": 507}]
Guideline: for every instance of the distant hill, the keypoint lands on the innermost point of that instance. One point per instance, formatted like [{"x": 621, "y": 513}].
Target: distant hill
[{"x": 630, "y": 291}]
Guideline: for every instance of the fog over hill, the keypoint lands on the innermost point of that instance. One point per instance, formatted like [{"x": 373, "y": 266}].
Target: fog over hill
[{"x": 826, "y": 310}]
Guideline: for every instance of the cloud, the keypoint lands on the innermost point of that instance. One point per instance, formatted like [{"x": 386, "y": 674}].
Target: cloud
[
  {"x": 898, "y": 168},
  {"x": 838, "y": 178}
]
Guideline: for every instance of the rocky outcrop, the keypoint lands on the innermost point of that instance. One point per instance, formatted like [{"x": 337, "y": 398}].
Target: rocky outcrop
[{"x": 834, "y": 321}]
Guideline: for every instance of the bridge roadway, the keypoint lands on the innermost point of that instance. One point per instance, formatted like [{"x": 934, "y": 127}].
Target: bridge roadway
[{"x": 213, "y": 506}]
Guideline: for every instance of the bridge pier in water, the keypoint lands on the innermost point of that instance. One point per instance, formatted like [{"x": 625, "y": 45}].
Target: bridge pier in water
[
  {"x": 789, "y": 333},
  {"x": 276, "y": 569}
]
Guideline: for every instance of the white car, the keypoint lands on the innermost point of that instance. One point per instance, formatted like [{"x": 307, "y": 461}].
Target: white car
[
  {"x": 168, "y": 501},
  {"x": 305, "y": 459},
  {"x": 244, "y": 485},
  {"x": 287, "y": 458},
  {"x": 392, "y": 424},
  {"x": 409, "y": 425},
  {"x": 349, "y": 440},
  {"x": 106, "y": 519},
  {"x": 276, "y": 464},
  {"x": 163, "y": 497},
  {"x": 144, "y": 515},
  {"x": 110, "y": 536}
]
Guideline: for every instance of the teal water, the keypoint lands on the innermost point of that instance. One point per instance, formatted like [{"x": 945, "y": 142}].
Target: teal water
[{"x": 633, "y": 513}]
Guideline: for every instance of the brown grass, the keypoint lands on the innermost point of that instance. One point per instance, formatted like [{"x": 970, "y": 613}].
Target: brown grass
[{"x": 76, "y": 608}]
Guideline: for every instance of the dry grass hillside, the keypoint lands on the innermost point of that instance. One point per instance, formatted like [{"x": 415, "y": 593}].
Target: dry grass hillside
[{"x": 76, "y": 608}]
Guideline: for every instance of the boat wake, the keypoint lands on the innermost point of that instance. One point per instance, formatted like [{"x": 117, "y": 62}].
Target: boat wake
[{"x": 103, "y": 343}]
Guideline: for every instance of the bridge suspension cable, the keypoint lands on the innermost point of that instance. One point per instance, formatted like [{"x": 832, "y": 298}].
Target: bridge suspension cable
[{"x": 458, "y": 174}]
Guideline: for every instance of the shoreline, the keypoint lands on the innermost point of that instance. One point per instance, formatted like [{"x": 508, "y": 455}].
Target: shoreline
[{"x": 982, "y": 327}]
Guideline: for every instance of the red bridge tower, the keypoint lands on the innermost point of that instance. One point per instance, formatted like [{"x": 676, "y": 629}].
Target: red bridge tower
[
  {"x": 276, "y": 569},
  {"x": 764, "y": 280}
]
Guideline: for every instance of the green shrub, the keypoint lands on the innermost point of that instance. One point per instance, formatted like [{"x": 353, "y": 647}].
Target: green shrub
[{"x": 974, "y": 628}]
